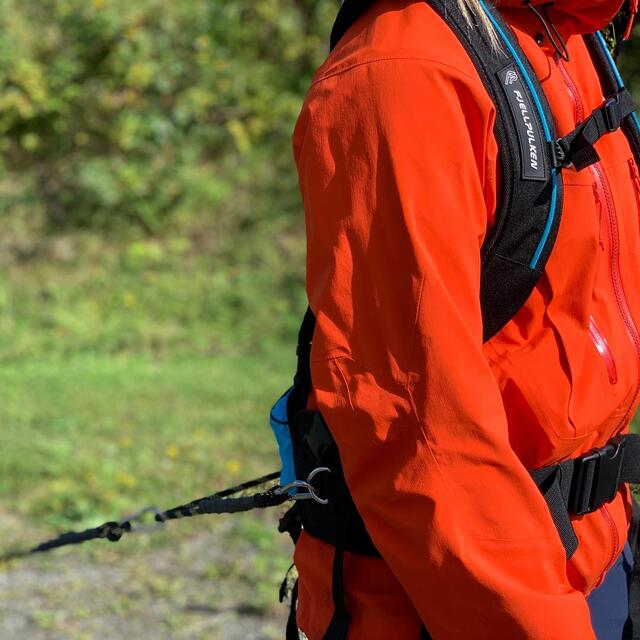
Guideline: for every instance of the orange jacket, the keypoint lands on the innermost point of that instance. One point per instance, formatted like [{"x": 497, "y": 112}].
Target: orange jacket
[{"x": 398, "y": 172}]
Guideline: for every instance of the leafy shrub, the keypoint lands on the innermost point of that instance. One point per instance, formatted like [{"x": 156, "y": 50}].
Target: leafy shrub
[{"x": 121, "y": 112}]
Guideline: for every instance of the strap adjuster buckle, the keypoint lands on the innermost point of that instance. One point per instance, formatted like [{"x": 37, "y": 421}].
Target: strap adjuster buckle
[
  {"x": 559, "y": 153},
  {"x": 597, "y": 478},
  {"x": 613, "y": 113}
]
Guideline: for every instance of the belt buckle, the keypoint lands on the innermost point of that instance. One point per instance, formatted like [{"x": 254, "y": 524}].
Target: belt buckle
[
  {"x": 613, "y": 113},
  {"x": 597, "y": 478}
]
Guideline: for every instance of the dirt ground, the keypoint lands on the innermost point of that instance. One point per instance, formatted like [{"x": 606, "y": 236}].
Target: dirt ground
[{"x": 191, "y": 583}]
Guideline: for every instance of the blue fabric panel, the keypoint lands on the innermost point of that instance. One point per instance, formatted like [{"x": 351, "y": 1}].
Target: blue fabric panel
[
  {"x": 609, "y": 603},
  {"x": 280, "y": 426}
]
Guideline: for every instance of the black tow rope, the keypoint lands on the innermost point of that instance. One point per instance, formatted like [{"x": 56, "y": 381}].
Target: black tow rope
[
  {"x": 217, "y": 503},
  {"x": 222, "y": 502}
]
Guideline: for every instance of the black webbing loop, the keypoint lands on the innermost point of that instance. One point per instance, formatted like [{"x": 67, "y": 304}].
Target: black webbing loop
[
  {"x": 191, "y": 508},
  {"x": 549, "y": 482},
  {"x": 245, "y": 503},
  {"x": 292, "y": 632},
  {"x": 111, "y": 531},
  {"x": 341, "y": 620},
  {"x": 217, "y": 503},
  {"x": 578, "y": 147}
]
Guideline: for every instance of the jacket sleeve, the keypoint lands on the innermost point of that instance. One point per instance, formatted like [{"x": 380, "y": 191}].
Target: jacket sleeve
[{"x": 397, "y": 166}]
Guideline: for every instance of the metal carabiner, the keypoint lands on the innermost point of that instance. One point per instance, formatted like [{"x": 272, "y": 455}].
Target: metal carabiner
[
  {"x": 311, "y": 494},
  {"x": 137, "y": 520}
]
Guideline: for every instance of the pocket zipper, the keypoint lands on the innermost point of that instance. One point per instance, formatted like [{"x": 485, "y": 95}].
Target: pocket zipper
[
  {"x": 602, "y": 346},
  {"x": 596, "y": 195},
  {"x": 615, "y": 540},
  {"x": 635, "y": 178}
]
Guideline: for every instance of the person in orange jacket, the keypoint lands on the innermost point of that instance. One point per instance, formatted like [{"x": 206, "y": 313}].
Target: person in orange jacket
[{"x": 437, "y": 432}]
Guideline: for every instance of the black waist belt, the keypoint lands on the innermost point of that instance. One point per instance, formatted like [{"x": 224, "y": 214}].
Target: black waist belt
[
  {"x": 582, "y": 485},
  {"x": 571, "y": 488}
]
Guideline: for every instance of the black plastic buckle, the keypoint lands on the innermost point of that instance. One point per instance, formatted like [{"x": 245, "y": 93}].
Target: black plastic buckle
[
  {"x": 596, "y": 478},
  {"x": 613, "y": 113},
  {"x": 559, "y": 152}
]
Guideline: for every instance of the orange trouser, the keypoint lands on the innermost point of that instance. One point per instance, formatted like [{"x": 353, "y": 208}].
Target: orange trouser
[{"x": 379, "y": 607}]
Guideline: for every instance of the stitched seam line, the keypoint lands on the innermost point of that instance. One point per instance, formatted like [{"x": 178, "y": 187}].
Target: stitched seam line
[
  {"x": 388, "y": 59},
  {"x": 347, "y": 391}
]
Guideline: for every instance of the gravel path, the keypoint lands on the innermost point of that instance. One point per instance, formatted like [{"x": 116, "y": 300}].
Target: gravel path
[{"x": 182, "y": 584}]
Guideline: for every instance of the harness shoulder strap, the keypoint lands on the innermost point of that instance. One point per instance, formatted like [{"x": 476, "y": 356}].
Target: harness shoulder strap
[{"x": 612, "y": 84}]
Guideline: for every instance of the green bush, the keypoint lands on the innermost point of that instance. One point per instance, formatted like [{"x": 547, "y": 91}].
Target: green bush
[{"x": 121, "y": 112}]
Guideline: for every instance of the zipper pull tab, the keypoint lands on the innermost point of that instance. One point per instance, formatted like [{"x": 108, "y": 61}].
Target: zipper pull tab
[
  {"x": 635, "y": 179},
  {"x": 596, "y": 195}
]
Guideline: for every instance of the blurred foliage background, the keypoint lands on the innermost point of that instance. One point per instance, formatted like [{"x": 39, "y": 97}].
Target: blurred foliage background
[
  {"x": 149, "y": 142},
  {"x": 151, "y": 283},
  {"x": 151, "y": 271}
]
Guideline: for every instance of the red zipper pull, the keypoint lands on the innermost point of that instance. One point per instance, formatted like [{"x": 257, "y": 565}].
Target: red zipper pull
[
  {"x": 635, "y": 178},
  {"x": 602, "y": 346},
  {"x": 596, "y": 195}
]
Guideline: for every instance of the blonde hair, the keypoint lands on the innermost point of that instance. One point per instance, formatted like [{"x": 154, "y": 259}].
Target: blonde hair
[{"x": 473, "y": 12}]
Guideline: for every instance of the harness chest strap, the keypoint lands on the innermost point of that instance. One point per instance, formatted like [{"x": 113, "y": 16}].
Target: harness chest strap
[{"x": 578, "y": 147}]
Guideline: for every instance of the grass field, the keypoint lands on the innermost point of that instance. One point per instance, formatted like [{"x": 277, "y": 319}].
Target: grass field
[
  {"x": 130, "y": 377},
  {"x": 92, "y": 436}
]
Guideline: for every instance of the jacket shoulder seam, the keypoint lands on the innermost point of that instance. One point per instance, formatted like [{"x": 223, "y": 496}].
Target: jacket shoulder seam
[{"x": 390, "y": 59}]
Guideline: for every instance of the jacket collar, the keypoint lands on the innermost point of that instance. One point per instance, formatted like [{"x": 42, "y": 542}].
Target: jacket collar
[{"x": 573, "y": 16}]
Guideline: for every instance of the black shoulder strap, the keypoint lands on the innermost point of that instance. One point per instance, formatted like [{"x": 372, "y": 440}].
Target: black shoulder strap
[
  {"x": 612, "y": 84},
  {"x": 301, "y": 388},
  {"x": 527, "y": 221},
  {"x": 348, "y": 14}
]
